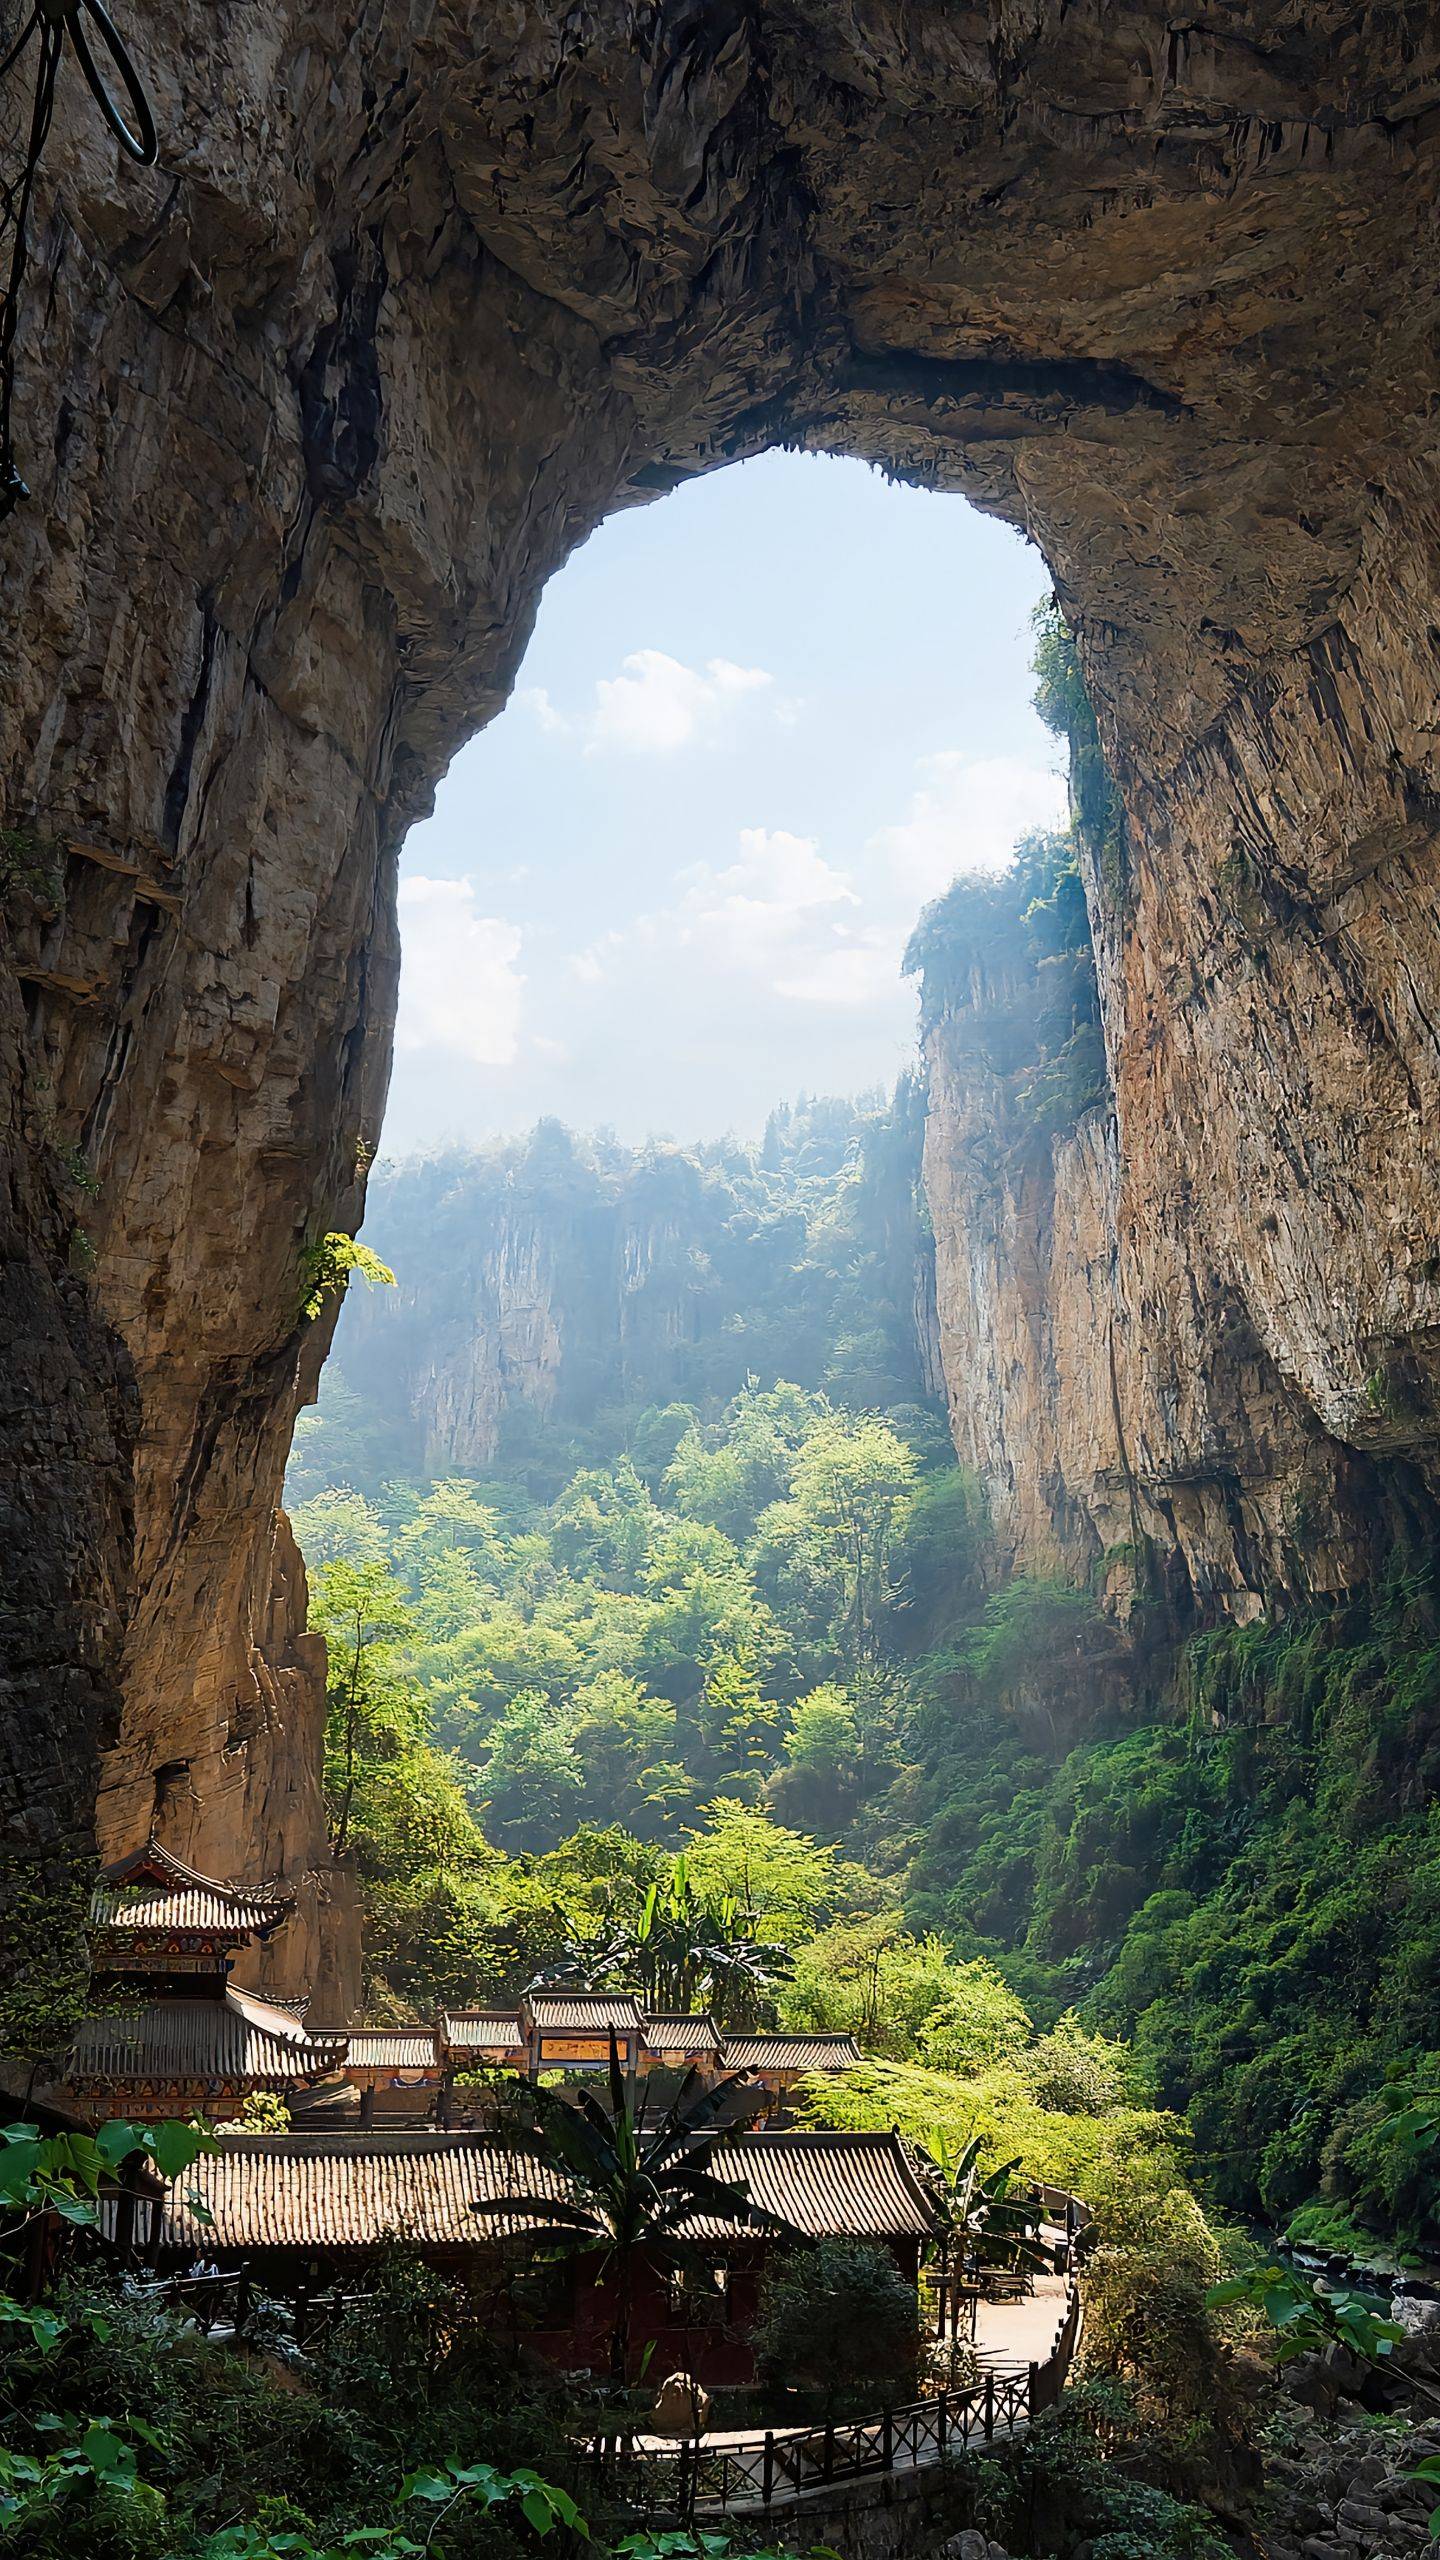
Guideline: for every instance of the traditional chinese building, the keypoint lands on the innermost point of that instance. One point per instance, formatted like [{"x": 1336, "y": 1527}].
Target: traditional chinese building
[
  {"x": 303, "y": 2210},
  {"x": 566, "y": 2031},
  {"x": 572, "y": 2031},
  {"x": 399, "y": 2071},
  {"x": 169, "y": 2033},
  {"x": 780, "y": 2062},
  {"x": 676, "y": 2041}
]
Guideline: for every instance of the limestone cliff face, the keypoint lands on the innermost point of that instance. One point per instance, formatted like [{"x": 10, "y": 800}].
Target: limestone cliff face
[
  {"x": 552, "y": 1279},
  {"x": 310, "y": 413},
  {"x": 1121, "y": 1354}
]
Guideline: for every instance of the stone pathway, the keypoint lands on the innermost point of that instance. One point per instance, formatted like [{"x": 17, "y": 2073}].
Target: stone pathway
[{"x": 1012, "y": 2334}]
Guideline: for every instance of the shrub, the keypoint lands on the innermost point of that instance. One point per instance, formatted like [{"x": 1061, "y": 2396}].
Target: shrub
[
  {"x": 1076, "y": 2074},
  {"x": 838, "y": 2316}
]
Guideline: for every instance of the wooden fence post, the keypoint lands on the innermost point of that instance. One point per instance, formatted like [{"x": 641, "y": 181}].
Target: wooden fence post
[
  {"x": 989, "y": 2406},
  {"x": 943, "y": 2421},
  {"x": 767, "y": 2486},
  {"x": 829, "y": 2472},
  {"x": 887, "y": 2440}
]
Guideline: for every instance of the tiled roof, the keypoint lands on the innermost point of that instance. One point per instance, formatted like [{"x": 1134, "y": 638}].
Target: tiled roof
[
  {"x": 672, "y": 2031},
  {"x": 584, "y": 2012},
  {"x": 482, "y": 2030},
  {"x": 153, "y": 1890},
  {"x": 791, "y": 2053},
  {"x": 389, "y": 2048},
  {"x": 317, "y": 2191},
  {"x": 828, "y": 2185},
  {"x": 238, "y": 2037}
]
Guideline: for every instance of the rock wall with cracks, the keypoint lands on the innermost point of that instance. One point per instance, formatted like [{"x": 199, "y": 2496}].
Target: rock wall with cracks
[{"x": 416, "y": 295}]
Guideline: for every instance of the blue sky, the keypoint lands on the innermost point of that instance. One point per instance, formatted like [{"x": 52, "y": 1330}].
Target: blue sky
[{"x": 760, "y": 723}]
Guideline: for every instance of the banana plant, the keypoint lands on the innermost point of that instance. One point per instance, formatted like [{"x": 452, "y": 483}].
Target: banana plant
[
  {"x": 632, "y": 2193},
  {"x": 979, "y": 2218},
  {"x": 679, "y": 1950}
]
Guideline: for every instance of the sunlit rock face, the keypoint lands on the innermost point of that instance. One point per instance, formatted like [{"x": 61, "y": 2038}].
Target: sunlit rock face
[{"x": 309, "y": 415}]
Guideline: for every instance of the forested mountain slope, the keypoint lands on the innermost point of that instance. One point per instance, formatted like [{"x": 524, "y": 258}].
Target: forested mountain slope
[
  {"x": 768, "y": 1632},
  {"x": 551, "y": 1286}
]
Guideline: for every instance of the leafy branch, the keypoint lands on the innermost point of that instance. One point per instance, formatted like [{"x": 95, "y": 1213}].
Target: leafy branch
[{"x": 326, "y": 1268}]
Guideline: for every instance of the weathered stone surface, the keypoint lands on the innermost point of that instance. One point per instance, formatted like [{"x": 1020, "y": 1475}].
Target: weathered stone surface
[{"x": 415, "y": 297}]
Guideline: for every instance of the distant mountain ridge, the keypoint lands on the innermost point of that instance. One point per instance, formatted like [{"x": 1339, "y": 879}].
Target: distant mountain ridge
[{"x": 550, "y": 1283}]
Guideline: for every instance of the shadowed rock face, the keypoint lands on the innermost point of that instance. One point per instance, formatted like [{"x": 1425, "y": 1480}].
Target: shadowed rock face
[{"x": 416, "y": 297}]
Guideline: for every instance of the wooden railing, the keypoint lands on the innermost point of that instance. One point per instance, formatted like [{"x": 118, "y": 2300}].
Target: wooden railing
[
  {"x": 717, "y": 2474},
  {"x": 712, "y": 2473}
]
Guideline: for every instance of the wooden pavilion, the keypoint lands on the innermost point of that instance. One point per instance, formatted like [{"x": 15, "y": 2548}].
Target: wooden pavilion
[
  {"x": 169, "y": 2034},
  {"x": 412, "y": 2073},
  {"x": 399, "y": 2071},
  {"x": 780, "y": 2062}
]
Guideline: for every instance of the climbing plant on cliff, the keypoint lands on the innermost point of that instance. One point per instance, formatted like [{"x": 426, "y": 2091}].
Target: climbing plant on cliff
[
  {"x": 1064, "y": 704},
  {"x": 327, "y": 1266}
]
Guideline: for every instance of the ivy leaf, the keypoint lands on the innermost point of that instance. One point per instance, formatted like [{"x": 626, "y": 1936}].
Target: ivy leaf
[
  {"x": 108, "y": 2455},
  {"x": 19, "y": 2161},
  {"x": 75, "y": 2209},
  {"x": 434, "y": 2485}
]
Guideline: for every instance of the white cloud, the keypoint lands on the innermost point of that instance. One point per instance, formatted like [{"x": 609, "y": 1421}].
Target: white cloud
[
  {"x": 459, "y": 988},
  {"x": 850, "y": 977},
  {"x": 655, "y": 705},
  {"x": 783, "y": 928},
  {"x": 966, "y": 814},
  {"x": 781, "y": 886},
  {"x": 534, "y": 699}
]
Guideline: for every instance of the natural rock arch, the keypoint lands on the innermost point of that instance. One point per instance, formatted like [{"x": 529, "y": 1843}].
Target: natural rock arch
[{"x": 312, "y": 411}]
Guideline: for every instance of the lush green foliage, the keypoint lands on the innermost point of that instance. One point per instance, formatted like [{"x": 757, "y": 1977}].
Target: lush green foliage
[
  {"x": 677, "y": 1660},
  {"x": 752, "y": 1655},
  {"x": 838, "y": 2317},
  {"x": 127, "y": 2434},
  {"x": 1308, "y": 2318},
  {"x": 327, "y": 1267},
  {"x": 1089, "y": 2476},
  {"x": 1240, "y": 1871}
]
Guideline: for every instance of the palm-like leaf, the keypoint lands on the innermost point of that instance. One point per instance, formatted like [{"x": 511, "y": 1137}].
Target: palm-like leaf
[
  {"x": 635, "y": 2191},
  {"x": 979, "y": 2216}
]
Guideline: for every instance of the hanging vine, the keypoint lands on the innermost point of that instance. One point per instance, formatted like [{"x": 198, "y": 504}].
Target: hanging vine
[{"x": 52, "y": 27}]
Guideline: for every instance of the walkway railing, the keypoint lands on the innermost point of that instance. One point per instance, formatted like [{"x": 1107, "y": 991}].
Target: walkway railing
[
  {"x": 717, "y": 2474},
  {"x": 709, "y": 2472}
]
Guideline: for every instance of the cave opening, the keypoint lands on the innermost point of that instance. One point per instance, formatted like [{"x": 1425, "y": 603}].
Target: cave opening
[
  {"x": 669, "y": 892},
  {"x": 759, "y": 724}
]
